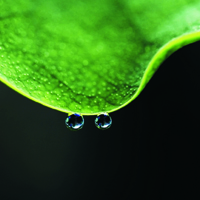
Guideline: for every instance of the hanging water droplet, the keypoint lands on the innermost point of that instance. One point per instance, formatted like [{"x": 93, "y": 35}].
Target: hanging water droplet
[
  {"x": 103, "y": 121},
  {"x": 74, "y": 122}
]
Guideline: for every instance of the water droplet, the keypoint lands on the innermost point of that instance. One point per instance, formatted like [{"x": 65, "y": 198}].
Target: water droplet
[
  {"x": 103, "y": 121},
  {"x": 74, "y": 122},
  {"x": 85, "y": 62}
]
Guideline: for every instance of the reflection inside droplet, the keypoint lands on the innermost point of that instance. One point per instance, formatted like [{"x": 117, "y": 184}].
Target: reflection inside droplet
[
  {"x": 74, "y": 122},
  {"x": 103, "y": 121}
]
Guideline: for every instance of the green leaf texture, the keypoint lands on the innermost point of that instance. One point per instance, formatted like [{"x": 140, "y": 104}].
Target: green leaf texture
[{"x": 90, "y": 56}]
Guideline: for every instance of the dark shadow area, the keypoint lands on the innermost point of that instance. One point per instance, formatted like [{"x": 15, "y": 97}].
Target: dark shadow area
[{"x": 150, "y": 151}]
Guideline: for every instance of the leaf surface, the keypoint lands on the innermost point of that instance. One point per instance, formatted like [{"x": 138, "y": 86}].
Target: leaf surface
[{"x": 90, "y": 56}]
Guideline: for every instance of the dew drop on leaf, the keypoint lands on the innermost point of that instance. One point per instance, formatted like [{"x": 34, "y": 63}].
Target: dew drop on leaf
[
  {"x": 74, "y": 122},
  {"x": 103, "y": 121}
]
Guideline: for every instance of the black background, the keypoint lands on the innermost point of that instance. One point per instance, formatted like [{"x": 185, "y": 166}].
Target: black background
[{"x": 150, "y": 151}]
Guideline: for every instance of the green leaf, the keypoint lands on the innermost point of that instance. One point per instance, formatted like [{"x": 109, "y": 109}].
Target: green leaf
[{"x": 90, "y": 56}]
